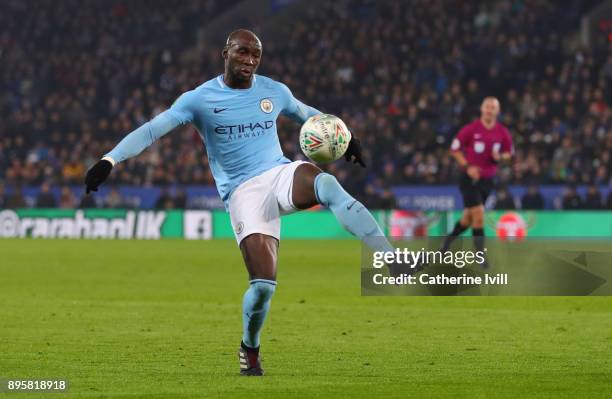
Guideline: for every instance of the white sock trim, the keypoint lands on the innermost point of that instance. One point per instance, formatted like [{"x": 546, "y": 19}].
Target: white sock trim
[{"x": 109, "y": 159}]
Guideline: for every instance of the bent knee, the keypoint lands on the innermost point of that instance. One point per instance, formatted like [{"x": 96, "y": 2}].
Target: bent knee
[
  {"x": 327, "y": 188},
  {"x": 474, "y": 216},
  {"x": 325, "y": 180},
  {"x": 466, "y": 219},
  {"x": 263, "y": 288}
]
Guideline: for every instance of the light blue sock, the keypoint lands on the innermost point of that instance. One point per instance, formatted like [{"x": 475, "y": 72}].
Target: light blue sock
[
  {"x": 255, "y": 306},
  {"x": 350, "y": 212}
]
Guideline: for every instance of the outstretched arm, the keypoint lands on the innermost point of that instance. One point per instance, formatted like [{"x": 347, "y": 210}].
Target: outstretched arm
[
  {"x": 131, "y": 145},
  {"x": 141, "y": 138},
  {"x": 134, "y": 143},
  {"x": 300, "y": 112},
  {"x": 294, "y": 108}
]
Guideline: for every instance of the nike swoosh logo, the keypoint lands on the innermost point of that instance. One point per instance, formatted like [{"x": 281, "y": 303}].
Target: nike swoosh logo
[
  {"x": 217, "y": 110},
  {"x": 348, "y": 207}
]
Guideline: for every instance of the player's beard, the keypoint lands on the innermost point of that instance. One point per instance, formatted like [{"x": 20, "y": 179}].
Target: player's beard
[
  {"x": 237, "y": 76},
  {"x": 245, "y": 75}
]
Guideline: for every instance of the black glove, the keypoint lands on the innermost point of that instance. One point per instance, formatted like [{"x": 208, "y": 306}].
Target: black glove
[
  {"x": 354, "y": 150},
  {"x": 97, "y": 174}
]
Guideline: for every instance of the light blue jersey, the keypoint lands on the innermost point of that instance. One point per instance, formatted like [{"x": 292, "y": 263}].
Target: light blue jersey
[{"x": 238, "y": 127}]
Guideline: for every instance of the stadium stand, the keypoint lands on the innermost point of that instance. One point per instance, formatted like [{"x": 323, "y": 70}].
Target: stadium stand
[{"x": 76, "y": 76}]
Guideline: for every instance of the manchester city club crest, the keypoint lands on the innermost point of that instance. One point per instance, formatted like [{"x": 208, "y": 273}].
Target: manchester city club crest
[{"x": 266, "y": 105}]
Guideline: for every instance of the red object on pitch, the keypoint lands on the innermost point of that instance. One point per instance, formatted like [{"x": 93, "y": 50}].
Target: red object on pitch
[
  {"x": 478, "y": 144},
  {"x": 408, "y": 224},
  {"x": 511, "y": 226}
]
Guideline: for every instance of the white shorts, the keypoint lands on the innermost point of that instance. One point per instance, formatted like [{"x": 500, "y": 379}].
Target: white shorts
[{"x": 258, "y": 203}]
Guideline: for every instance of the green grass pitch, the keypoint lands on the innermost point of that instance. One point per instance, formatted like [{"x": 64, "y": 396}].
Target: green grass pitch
[{"x": 131, "y": 319}]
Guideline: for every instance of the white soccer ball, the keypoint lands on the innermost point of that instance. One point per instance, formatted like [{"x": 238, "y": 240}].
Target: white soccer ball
[{"x": 324, "y": 138}]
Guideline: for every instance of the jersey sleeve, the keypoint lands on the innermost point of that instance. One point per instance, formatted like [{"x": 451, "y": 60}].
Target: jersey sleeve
[
  {"x": 294, "y": 108},
  {"x": 183, "y": 108},
  {"x": 462, "y": 139},
  {"x": 141, "y": 138},
  {"x": 507, "y": 145},
  {"x": 180, "y": 113}
]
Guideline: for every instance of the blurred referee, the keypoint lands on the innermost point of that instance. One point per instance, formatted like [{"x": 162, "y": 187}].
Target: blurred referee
[{"x": 478, "y": 148}]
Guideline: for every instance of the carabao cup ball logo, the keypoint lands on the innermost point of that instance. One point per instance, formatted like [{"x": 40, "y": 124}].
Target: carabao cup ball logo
[
  {"x": 266, "y": 105},
  {"x": 324, "y": 138},
  {"x": 511, "y": 226}
]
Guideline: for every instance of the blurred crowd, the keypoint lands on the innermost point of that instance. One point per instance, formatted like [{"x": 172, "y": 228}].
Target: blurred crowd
[
  {"x": 570, "y": 199},
  {"x": 66, "y": 197},
  {"x": 76, "y": 76}
]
